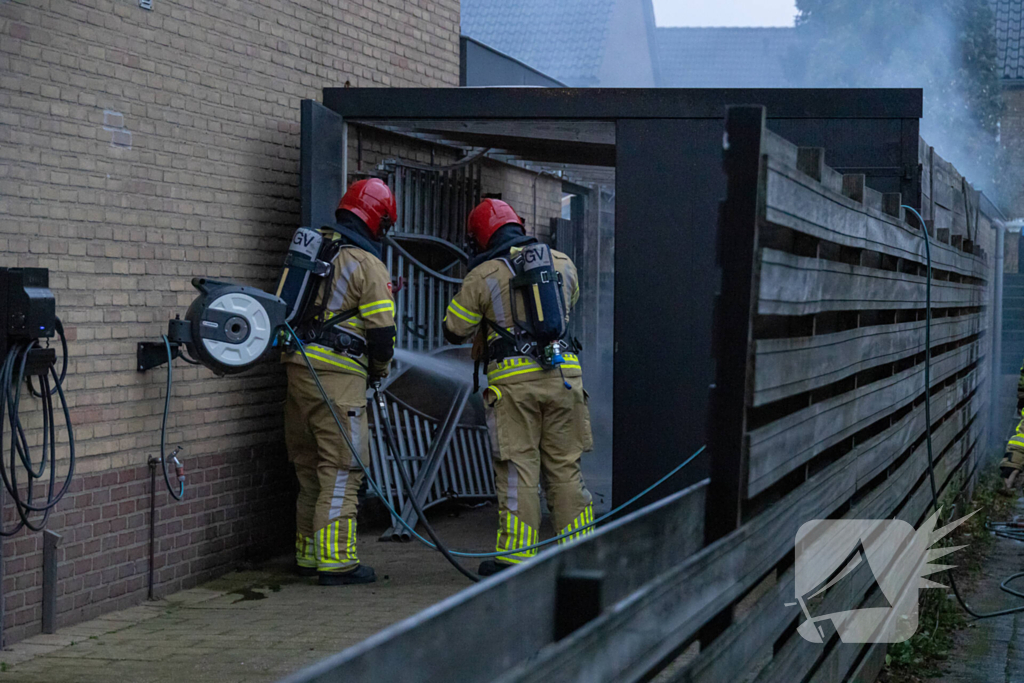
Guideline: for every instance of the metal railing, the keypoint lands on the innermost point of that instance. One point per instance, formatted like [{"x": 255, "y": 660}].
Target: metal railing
[{"x": 446, "y": 459}]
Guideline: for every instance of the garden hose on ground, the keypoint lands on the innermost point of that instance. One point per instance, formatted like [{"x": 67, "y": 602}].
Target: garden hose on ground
[
  {"x": 12, "y": 376},
  {"x": 451, "y": 554},
  {"x": 928, "y": 437}
]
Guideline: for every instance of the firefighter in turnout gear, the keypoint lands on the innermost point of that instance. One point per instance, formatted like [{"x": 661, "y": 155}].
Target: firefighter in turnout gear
[
  {"x": 537, "y": 413},
  {"x": 1013, "y": 462},
  {"x": 350, "y": 340}
]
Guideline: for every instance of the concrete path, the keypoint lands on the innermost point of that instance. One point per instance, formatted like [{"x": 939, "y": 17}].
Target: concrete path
[
  {"x": 254, "y": 625},
  {"x": 992, "y": 650}
]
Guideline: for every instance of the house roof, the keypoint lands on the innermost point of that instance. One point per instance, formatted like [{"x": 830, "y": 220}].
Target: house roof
[
  {"x": 723, "y": 57},
  {"x": 564, "y": 39},
  {"x": 1010, "y": 38}
]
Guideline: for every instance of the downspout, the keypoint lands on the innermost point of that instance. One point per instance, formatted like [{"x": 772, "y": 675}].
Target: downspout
[{"x": 997, "y": 335}]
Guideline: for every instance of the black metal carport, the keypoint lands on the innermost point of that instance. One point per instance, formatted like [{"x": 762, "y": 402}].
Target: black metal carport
[{"x": 666, "y": 149}]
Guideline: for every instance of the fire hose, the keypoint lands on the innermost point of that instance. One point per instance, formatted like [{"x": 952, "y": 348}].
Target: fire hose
[{"x": 449, "y": 555}]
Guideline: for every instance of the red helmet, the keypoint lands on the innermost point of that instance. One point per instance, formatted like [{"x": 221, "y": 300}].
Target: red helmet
[
  {"x": 487, "y": 217},
  {"x": 372, "y": 201}
]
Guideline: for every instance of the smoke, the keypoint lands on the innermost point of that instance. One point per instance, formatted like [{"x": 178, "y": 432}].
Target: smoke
[{"x": 946, "y": 47}]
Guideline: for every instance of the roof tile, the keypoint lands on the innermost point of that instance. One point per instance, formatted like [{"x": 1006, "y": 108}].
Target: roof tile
[
  {"x": 723, "y": 57},
  {"x": 562, "y": 38},
  {"x": 1009, "y": 31}
]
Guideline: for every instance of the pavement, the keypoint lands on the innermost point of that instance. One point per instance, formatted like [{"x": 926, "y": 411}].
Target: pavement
[
  {"x": 992, "y": 650},
  {"x": 257, "y": 624}
]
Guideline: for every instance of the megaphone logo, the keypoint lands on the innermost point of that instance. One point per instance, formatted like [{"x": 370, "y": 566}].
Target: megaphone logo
[{"x": 837, "y": 560}]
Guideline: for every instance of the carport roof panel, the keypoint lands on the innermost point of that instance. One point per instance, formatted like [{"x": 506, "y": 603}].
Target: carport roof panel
[{"x": 620, "y": 103}]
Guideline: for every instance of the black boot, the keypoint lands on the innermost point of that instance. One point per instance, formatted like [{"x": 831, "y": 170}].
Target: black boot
[
  {"x": 491, "y": 567},
  {"x": 305, "y": 571},
  {"x": 361, "y": 574}
]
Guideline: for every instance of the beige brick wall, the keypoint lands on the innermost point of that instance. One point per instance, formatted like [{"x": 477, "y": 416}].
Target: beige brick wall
[
  {"x": 536, "y": 197},
  {"x": 141, "y": 148}
]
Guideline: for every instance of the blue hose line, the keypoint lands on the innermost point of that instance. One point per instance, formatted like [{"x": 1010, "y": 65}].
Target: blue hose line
[{"x": 377, "y": 490}]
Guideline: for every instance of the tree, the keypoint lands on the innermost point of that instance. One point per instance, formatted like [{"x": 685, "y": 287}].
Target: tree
[{"x": 946, "y": 47}]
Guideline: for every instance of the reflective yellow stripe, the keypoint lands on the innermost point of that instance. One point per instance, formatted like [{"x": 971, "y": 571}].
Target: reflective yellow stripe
[
  {"x": 389, "y": 308},
  {"x": 514, "y": 366},
  {"x": 578, "y": 527},
  {"x": 284, "y": 276},
  {"x": 325, "y": 356},
  {"x": 460, "y": 312},
  {"x": 383, "y": 303},
  {"x": 517, "y": 535},
  {"x": 473, "y": 317},
  {"x": 493, "y": 377},
  {"x": 462, "y": 317}
]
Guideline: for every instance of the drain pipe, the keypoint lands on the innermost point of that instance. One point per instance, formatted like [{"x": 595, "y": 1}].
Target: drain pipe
[
  {"x": 153, "y": 462},
  {"x": 997, "y": 332}
]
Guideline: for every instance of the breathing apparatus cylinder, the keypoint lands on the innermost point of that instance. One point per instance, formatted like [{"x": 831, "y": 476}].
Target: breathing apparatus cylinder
[
  {"x": 538, "y": 304},
  {"x": 301, "y": 264}
]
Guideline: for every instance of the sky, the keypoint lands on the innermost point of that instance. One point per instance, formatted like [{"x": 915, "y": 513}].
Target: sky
[{"x": 724, "y": 12}]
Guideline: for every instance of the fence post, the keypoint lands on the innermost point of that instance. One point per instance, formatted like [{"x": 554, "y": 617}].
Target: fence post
[
  {"x": 50, "y": 542},
  {"x": 732, "y": 341},
  {"x": 577, "y": 600}
]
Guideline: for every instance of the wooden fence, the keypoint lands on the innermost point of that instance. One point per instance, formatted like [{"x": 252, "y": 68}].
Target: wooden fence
[{"x": 818, "y": 412}]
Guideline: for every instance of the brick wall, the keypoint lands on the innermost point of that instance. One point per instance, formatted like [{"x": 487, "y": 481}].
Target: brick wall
[
  {"x": 237, "y": 507},
  {"x": 139, "y": 149},
  {"x": 537, "y": 198}
]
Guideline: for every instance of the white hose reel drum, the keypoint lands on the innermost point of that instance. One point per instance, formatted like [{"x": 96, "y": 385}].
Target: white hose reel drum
[{"x": 230, "y": 327}]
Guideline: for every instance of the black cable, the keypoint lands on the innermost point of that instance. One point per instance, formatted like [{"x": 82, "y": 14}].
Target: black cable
[
  {"x": 441, "y": 547},
  {"x": 10, "y": 399},
  {"x": 928, "y": 433},
  {"x": 59, "y": 327},
  {"x": 180, "y": 493}
]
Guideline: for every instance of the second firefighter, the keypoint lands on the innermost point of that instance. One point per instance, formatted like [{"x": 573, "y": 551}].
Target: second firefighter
[{"x": 516, "y": 300}]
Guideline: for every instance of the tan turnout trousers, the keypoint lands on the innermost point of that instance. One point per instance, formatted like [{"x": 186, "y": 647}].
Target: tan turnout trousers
[
  {"x": 538, "y": 429},
  {"x": 329, "y": 477}
]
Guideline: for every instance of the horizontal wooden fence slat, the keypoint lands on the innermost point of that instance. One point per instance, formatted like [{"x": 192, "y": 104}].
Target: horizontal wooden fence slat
[
  {"x": 881, "y": 450},
  {"x": 799, "y": 285},
  {"x": 795, "y": 201},
  {"x": 869, "y": 668},
  {"x": 785, "y": 367},
  {"x": 649, "y": 625},
  {"x": 731, "y": 654},
  {"x": 779, "y": 148},
  {"x": 779, "y": 447},
  {"x": 625, "y": 641},
  {"x": 793, "y": 661},
  {"x": 843, "y": 655},
  {"x": 508, "y": 618}
]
